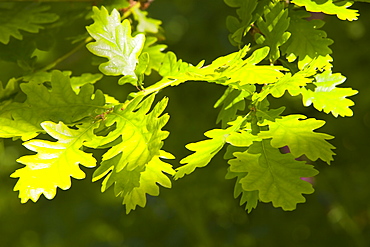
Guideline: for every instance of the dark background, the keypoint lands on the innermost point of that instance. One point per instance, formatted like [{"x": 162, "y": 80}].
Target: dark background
[{"x": 200, "y": 210}]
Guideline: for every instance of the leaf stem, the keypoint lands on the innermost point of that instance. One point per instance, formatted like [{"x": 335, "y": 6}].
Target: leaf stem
[{"x": 153, "y": 88}]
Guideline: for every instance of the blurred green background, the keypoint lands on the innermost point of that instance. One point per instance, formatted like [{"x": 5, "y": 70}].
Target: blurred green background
[{"x": 200, "y": 210}]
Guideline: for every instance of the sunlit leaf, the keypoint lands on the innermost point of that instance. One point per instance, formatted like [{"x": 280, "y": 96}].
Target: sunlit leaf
[
  {"x": 297, "y": 132},
  {"x": 327, "y": 97},
  {"x": 133, "y": 185},
  {"x": 57, "y": 103},
  {"x": 146, "y": 24},
  {"x": 113, "y": 40},
  {"x": 276, "y": 176},
  {"x": 330, "y": 7},
  {"x": 55, "y": 162},
  {"x": 138, "y": 132},
  {"x": 205, "y": 150},
  {"x": 307, "y": 41}
]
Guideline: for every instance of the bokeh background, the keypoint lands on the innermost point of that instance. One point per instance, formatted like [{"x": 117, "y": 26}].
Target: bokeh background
[{"x": 200, "y": 210}]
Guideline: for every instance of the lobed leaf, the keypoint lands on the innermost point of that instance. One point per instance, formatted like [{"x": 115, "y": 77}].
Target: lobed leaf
[
  {"x": 276, "y": 176},
  {"x": 291, "y": 83},
  {"x": 205, "y": 150},
  {"x": 113, "y": 40},
  {"x": 146, "y": 24},
  {"x": 132, "y": 163},
  {"x": 249, "y": 197},
  {"x": 240, "y": 28},
  {"x": 329, "y": 98},
  {"x": 15, "y": 17},
  {"x": 10, "y": 89},
  {"x": 307, "y": 42},
  {"x": 55, "y": 162},
  {"x": 238, "y": 73},
  {"x": 58, "y": 103},
  {"x": 232, "y": 101},
  {"x": 133, "y": 185},
  {"x": 297, "y": 132},
  {"x": 155, "y": 52},
  {"x": 273, "y": 25},
  {"x": 137, "y": 135},
  {"x": 340, "y": 9}
]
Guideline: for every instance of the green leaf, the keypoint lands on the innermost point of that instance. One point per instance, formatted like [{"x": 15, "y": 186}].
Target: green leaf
[
  {"x": 207, "y": 149},
  {"x": 330, "y": 7},
  {"x": 76, "y": 81},
  {"x": 297, "y": 132},
  {"x": 276, "y": 176},
  {"x": 113, "y": 40},
  {"x": 137, "y": 133},
  {"x": 238, "y": 72},
  {"x": 21, "y": 53},
  {"x": 329, "y": 98},
  {"x": 175, "y": 72},
  {"x": 232, "y": 101},
  {"x": 10, "y": 89},
  {"x": 116, "y": 4},
  {"x": 155, "y": 52},
  {"x": 249, "y": 197},
  {"x": 179, "y": 70},
  {"x": 26, "y": 17},
  {"x": 307, "y": 42},
  {"x": 60, "y": 103},
  {"x": 86, "y": 78},
  {"x": 55, "y": 162},
  {"x": 133, "y": 185},
  {"x": 292, "y": 84},
  {"x": 242, "y": 138},
  {"x": 264, "y": 112},
  {"x": 273, "y": 25},
  {"x": 240, "y": 28},
  {"x": 146, "y": 24}
]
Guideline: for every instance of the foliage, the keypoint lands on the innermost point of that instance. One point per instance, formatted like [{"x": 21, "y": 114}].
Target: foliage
[{"x": 286, "y": 55}]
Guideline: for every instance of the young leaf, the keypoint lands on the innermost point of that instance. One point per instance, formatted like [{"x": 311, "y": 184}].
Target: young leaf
[
  {"x": 113, "y": 40},
  {"x": 276, "y": 176},
  {"x": 297, "y": 132},
  {"x": 18, "y": 16},
  {"x": 307, "y": 42},
  {"x": 138, "y": 134},
  {"x": 329, "y": 98},
  {"x": 133, "y": 185},
  {"x": 55, "y": 162},
  {"x": 207, "y": 149},
  {"x": 155, "y": 52},
  {"x": 273, "y": 25},
  {"x": 146, "y": 24},
  {"x": 60, "y": 103},
  {"x": 330, "y": 7}
]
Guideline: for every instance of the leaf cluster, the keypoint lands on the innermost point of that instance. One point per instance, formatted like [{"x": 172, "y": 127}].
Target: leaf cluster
[{"x": 61, "y": 117}]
